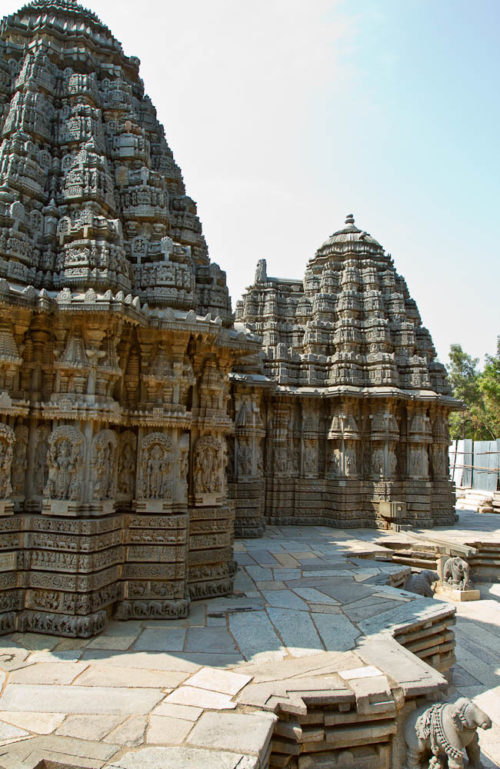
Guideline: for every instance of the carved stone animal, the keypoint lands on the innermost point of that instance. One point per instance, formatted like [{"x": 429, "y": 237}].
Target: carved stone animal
[
  {"x": 456, "y": 572},
  {"x": 443, "y": 731},
  {"x": 421, "y": 583}
]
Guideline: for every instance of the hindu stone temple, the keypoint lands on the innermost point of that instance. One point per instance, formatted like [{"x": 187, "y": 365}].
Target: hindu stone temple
[
  {"x": 354, "y": 428},
  {"x": 141, "y": 426}
]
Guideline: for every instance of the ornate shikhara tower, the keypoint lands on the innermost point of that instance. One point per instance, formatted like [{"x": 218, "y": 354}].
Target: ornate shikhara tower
[
  {"x": 350, "y": 423},
  {"x": 116, "y": 342}
]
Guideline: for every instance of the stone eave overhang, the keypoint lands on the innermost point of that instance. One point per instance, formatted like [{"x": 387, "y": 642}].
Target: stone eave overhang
[
  {"x": 428, "y": 396},
  {"x": 129, "y": 308},
  {"x": 252, "y": 380}
]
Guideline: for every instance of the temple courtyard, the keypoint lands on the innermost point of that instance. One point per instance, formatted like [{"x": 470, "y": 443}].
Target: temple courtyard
[{"x": 315, "y": 649}]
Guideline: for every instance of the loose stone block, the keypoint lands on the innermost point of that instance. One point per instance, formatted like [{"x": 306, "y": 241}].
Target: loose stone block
[{"x": 238, "y": 732}]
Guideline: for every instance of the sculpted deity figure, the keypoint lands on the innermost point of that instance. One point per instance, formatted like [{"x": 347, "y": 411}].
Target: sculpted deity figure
[
  {"x": 208, "y": 466},
  {"x": 350, "y": 461},
  {"x": 310, "y": 458},
  {"x": 65, "y": 466},
  {"x": 393, "y": 463},
  {"x": 126, "y": 473},
  {"x": 281, "y": 459},
  {"x": 64, "y": 461},
  {"x": 439, "y": 461},
  {"x": 104, "y": 465},
  {"x": 244, "y": 458},
  {"x": 6, "y": 455},
  {"x": 260, "y": 459},
  {"x": 41, "y": 451},
  {"x": 184, "y": 465},
  {"x": 155, "y": 467},
  {"x": 156, "y": 470},
  {"x": 378, "y": 463},
  {"x": 419, "y": 461},
  {"x": 336, "y": 462},
  {"x": 20, "y": 460}
]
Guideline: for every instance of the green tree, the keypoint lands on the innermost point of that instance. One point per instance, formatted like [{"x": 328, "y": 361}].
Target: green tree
[
  {"x": 489, "y": 384},
  {"x": 465, "y": 379},
  {"x": 480, "y": 393}
]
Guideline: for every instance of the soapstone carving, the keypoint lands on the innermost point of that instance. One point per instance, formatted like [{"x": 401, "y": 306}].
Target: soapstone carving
[
  {"x": 456, "y": 572},
  {"x": 41, "y": 467},
  {"x": 442, "y": 732},
  {"x": 127, "y": 464},
  {"x": 155, "y": 467},
  {"x": 7, "y": 438},
  {"x": 104, "y": 465},
  {"x": 65, "y": 464},
  {"x": 421, "y": 583},
  {"x": 20, "y": 460},
  {"x": 208, "y": 466}
]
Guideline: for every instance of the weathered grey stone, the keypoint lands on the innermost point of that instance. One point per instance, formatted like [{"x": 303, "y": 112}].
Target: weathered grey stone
[
  {"x": 165, "y": 730},
  {"x": 336, "y": 631},
  {"x": 188, "y": 695},
  {"x": 89, "y": 727},
  {"x": 219, "y": 680},
  {"x": 161, "y": 640},
  {"x": 254, "y": 633},
  {"x": 238, "y": 732},
  {"x": 38, "y": 723},
  {"x": 183, "y": 758},
  {"x": 299, "y": 634},
  {"x": 78, "y": 699},
  {"x": 130, "y": 733}
]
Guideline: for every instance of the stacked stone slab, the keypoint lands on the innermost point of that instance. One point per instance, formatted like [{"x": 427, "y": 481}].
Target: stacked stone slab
[
  {"x": 357, "y": 420},
  {"x": 116, "y": 343}
]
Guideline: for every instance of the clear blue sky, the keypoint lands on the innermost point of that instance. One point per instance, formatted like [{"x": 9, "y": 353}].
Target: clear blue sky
[{"x": 285, "y": 115}]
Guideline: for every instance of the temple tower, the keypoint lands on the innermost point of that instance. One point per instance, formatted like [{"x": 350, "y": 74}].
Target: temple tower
[
  {"x": 116, "y": 343},
  {"x": 357, "y": 420}
]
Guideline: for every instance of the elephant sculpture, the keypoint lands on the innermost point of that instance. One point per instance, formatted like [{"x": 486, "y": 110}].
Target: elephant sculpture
[
  {"x": 421, "y": 583},
  {"x": 456, "y": 572},
  {"x": 441, "y": 732}
]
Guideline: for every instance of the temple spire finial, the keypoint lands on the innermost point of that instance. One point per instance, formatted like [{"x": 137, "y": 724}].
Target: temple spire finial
[{"x": 349, "y": 220}]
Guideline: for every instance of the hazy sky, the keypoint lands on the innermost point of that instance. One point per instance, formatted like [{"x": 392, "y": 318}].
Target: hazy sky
[{"x": 285, "y": 115}]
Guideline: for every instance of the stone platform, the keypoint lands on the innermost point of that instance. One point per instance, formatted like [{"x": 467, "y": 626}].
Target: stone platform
[{"x": 318, "y": 656}]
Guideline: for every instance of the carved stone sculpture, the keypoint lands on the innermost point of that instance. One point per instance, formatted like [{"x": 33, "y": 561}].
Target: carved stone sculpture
[
  {"x": 421, "y": 583},
  {"x": 208, "y": 466},
  {"x": 7, "y": 438},
  {"x": 456, "y": 572},
  {"x": 442, "y": 731},
  {"x": 20, "y": 461},
  {"x": 155, "y": 467},
  {"x": 65, "y": 464},
  {"x": 127, "y": 464},
  {"x": 104, "y": 465}
]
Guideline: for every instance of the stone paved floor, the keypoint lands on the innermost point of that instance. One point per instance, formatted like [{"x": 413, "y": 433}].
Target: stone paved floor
[{"x": 120, "y": 699}]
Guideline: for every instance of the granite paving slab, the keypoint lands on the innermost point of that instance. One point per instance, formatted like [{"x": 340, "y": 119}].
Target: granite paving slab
[{"x": 165, "y": 694}]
